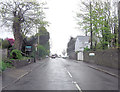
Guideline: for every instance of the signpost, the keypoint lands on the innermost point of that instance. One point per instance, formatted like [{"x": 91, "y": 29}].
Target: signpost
[{"x": 28, "y": 48}]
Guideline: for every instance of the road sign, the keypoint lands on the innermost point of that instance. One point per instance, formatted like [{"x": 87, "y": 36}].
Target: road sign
[
  {"x": 28, "y": 48},
  {"x": 91, "y": 54}
]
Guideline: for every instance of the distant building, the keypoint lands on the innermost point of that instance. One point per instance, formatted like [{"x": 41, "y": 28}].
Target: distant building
[{"x": 81, "y": 43}]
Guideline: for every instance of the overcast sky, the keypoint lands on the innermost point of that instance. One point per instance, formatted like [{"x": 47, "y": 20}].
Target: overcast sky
[{"x": 61, "y": 15}]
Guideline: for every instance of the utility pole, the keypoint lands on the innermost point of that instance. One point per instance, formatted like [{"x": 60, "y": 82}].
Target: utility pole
[
  {"x": 91, "y": 35},
  {"x": 38, "y": 36}
]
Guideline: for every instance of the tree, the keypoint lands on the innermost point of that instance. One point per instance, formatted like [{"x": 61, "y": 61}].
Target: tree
[
  {"x": 42, "y": 51},
  {"x": 98, "y": 21},
  {"x": 64, "y": 52},
  {"x": 91, "y": 31},
  {"x": 21, "y": 16},
  {"x": 71, "y": 46}
]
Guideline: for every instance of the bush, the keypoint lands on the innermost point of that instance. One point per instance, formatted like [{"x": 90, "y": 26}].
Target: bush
[
  {"x": 16, "y": 54},
  {"x": 4, "y": 65},
  {"x": 86, "y": 49},
  {"x": 41, "y": 51}
]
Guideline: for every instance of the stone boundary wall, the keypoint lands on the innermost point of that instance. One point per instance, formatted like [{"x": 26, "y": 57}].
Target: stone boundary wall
[
  {"x": 108, "y": 58},
  {"x": 4, "y": 53},
  {"x": 73, "y": 56},
  {"x": 21, "y": 63}
]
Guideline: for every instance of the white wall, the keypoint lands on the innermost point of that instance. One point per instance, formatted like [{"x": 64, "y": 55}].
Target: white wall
[
  {"x": 80, "y": 56},
  {"x": 79, "y": 46}
]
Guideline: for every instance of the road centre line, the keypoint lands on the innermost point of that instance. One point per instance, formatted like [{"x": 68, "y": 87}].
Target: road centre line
[
  {"x": 69, "y": 74},
  {"x": 78, "y": 87}
]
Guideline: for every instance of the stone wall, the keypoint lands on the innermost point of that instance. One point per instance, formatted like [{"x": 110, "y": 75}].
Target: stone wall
[
  {"x": 21, "y": 63},
  {"x": 4, "y": 53},
  {"x": 73, "y": 55},
  {"x": 108, "y": 58}
]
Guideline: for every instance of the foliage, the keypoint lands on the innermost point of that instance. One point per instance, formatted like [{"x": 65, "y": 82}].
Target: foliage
[
  {"x": 42, "y": 31},
  {"x": 64, "y": 52},
  {"x": 4, "y": 65},
  {"x": 104, "y": 22},
  {"x": 27, "y": 13},
  {"x": 86, "y": 49},
  {"x": 44, "y": 47},
  {"x": 16, "y": 54},
  {"x": 22, "y": 16},
  {"x": 42, "y": 51}
]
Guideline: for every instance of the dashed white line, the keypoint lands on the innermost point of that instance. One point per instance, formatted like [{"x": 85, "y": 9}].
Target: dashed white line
[
  {"x": 69, "y": 74},
  {"x": 78, "y": 87}
]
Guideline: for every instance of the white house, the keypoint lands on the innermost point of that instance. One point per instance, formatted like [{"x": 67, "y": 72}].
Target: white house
[{"x": 80, "y": 44}]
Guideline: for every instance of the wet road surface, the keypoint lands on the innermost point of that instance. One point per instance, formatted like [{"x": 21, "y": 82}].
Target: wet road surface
[{"x": 65, "y": 74}]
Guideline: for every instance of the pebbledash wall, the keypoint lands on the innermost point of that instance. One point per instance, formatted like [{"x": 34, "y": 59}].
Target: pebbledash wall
[
  {"x": 73, "y": 56},
  {"x": 107, "y": 58}
]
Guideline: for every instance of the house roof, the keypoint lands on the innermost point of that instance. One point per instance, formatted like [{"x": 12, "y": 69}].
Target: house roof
[{"x": 83, "y": 38}]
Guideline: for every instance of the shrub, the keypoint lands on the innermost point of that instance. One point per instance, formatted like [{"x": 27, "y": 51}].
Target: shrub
[
  {"x": 16, "y": 54},
  {"x": 86, "y": 49},
  {"x": 4, "y": 65},
  {"x": 41, "y": 51}
]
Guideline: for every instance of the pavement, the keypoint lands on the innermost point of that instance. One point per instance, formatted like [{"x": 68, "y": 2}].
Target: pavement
[
  {"x": 110, "y": 71},
  {"x": 60, "y": 74},
  {"x": 12, "y": 75},
  {"x": 0, "y": 82}
]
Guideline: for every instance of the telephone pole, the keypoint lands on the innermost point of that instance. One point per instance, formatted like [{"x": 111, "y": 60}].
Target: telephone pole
[{"x": 91, "y": 35}]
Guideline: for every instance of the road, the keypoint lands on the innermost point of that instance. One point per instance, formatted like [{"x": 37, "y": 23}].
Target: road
[{"x": 65, "y": 74}]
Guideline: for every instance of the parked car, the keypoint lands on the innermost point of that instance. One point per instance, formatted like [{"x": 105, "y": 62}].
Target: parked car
[{"x": 53, "y": 56}]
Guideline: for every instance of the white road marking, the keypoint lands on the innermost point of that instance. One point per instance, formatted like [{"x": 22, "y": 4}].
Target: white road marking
[
  {"x": 69, "y": 74},
  {"x": 23, "y": 75},
  {"x": 78, "y": 87}
]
